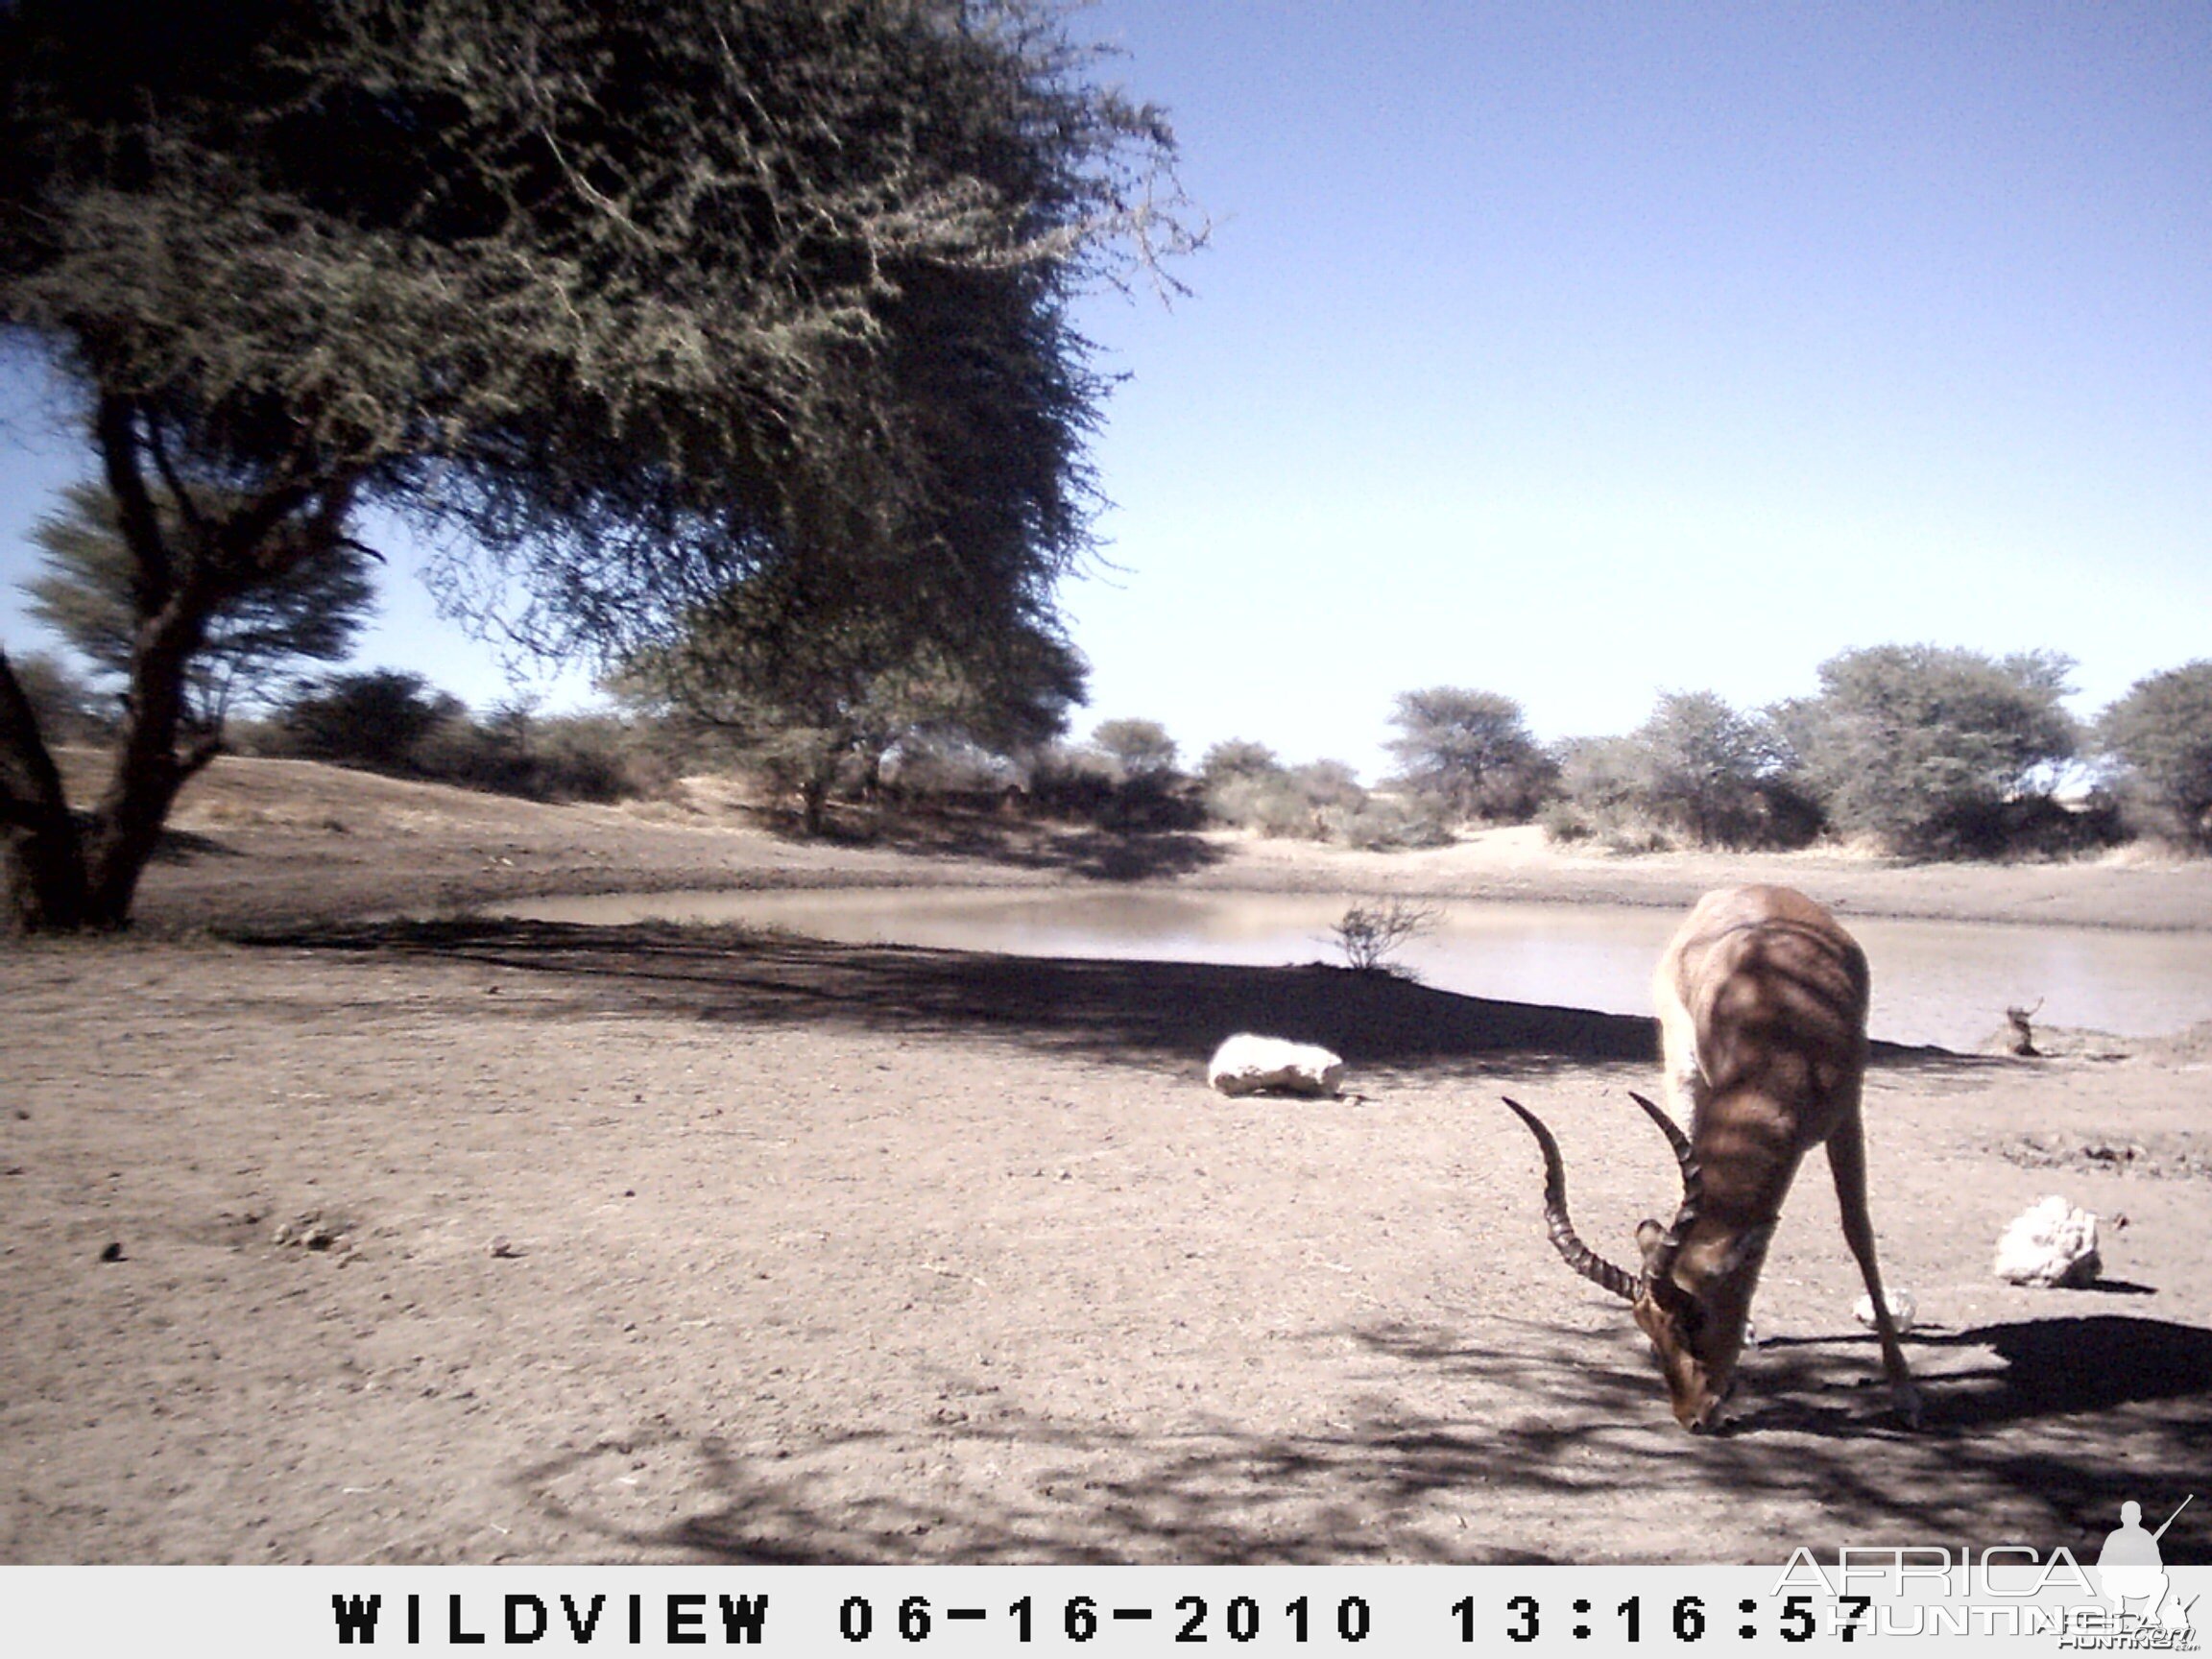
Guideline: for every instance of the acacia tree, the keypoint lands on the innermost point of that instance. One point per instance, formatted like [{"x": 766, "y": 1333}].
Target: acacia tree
[
  {"x": 1235, "y": 760},
  {"x": 1136, "y": 749},
  {"x": 620, "y": 303},
  {"x": 812, "y": 685},
  {"x": 1469, "y": 752},
  {"x": 310, "y": 610},
  {"x": 1925, "y": 747},
  {"x": 2162, "y": 732},
  {"x": 1715, "y": 773}
]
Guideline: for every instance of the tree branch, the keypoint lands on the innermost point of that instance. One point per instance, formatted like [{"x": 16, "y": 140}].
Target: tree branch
[{"x": 115, "y": 429}]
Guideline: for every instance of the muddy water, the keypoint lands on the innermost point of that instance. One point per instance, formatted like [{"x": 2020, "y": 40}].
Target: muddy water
[{"x": 1939, "y": 982}]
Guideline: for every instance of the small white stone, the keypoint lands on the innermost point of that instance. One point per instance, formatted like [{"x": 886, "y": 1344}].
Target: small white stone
[
  {"x": 1251, "y": 1064},
  {"x": 1901, "y": 1310},
  {"x": 2053, "y": 1243}
]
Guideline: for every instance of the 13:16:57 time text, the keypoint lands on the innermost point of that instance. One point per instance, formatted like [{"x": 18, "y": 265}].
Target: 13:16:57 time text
[{"x": 1686, "y": 1617}]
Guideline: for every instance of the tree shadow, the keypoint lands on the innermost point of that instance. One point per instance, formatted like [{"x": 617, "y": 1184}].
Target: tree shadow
[
  {"x": 1102, "y": 852},
  {"x": 172, "y": 846},
  {"x": 1564, "y": 1452},
  {"x": 1109, "y": 1009},
  {"x": 1211, "y": 1493},
  {"x": 2014, "y": 1373},
  {"x": 2063, "y": 1419},
  {"x": 185, "y": 847}
]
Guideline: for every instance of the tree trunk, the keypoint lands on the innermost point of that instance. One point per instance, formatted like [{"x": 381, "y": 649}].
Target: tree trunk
[
  {"x": 813, "y": 798},
  {"x": 127, "y": 826},
  {"x": 44, "y": 854},
  {"x": 67, "y": 879},
  {"x": 63, "y": 879}
]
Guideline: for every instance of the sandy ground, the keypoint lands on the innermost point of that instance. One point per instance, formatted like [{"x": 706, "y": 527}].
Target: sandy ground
[{"x": 331, "y": 1237}]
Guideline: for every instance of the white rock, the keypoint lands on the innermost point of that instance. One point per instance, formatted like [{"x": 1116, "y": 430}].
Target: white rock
[
  {"x": 1250, "y": 1065},
  {"x": 1901, "y": 1310},
  {"x": 2054, "y": 1243}
]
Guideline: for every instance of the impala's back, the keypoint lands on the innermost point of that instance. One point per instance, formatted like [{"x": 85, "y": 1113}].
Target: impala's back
[{"x": 1763, "y": 995}]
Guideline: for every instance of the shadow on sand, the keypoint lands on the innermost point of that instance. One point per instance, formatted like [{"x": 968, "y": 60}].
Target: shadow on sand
[
  {"x": 1110, "y": 1009},
  {"x": 2052, "y": 1424}
]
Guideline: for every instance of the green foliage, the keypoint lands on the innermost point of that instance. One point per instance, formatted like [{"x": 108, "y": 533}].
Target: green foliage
[
  {"x": 2161, "y": 733},
  {"x": 1597, "y": 789},
  {"x": 1245, "y": 785},
  {"x": 1385, "y": 824},
  {"x": 1236, "y": 758},
  {"x": 816, "y": 686},
  {"x": 1246, "y": 788},
  {"x": 1087, "y": 786},
  {"x": 310, "y": 609},
  {"x": 379, "y": 719},
  {"x": 1280, "y": 802},
  {"x": 1328, "y": 784},
  {"x": 1931, "y": 749},
  {"x": 1695, "y": 773},
  {"x": 1135, "y": 748},
  {"x": 387, "y": 720},
  {"x": 1269, "y": 803},
  {"x": 1471, "y": 752},
  {"x": 1702, "y": 763},
  {"x": 622, "y": 304}
]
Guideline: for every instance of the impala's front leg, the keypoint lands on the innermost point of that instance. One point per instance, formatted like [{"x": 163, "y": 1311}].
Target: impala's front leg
[{"x": 1847, "y": 1162}]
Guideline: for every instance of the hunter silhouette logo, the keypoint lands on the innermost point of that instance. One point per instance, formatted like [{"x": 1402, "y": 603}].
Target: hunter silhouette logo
[{"x": 2130, "y": 1569}]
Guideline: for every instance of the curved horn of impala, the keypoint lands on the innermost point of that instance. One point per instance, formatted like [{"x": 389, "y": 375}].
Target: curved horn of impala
[
  {"x": 1564, "y": 1238},
  {"x": 1580, "y": 1256},
  {"x": 1762, "y": 1002},
  {"x": 1659, "y": 1266}
]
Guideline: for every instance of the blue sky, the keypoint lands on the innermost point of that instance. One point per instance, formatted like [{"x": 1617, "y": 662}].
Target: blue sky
[{"x": 1586, "y": 351}]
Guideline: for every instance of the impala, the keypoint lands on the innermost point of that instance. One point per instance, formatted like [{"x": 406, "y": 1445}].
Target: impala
[{"x": 1763, "y": 1020}]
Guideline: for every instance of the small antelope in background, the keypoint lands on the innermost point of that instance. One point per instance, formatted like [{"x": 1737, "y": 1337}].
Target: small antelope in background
[{"x": 1762, "y": 1019}]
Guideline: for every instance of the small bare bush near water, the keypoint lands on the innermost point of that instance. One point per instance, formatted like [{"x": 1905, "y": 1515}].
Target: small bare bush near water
[{"x": 1370, "y": 935}]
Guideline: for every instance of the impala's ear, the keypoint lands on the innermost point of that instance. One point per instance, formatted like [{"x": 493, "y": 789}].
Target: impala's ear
[{"x": 1649, "y": 1232}]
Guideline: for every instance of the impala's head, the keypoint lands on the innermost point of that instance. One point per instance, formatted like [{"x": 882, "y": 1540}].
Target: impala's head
[{"x": 1697, "y": 1333}]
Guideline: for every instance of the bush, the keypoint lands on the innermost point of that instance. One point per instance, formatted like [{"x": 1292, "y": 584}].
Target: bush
[
  {"x": 1563, "y": 820},
  {"x": 1369, "y": 936},
  {"x": 1387, "y": 824},
  {"x": 376, "y": 720},
  {"x": 1090, "y": 788},
  {"x": 1596, "y": 789},
  {"x": 1236, "y": 758},
  {"x": 1136, "y": 747},
  {"x": 1928, "y": 749},
  {"x": 2161, "y": 734},
  {"x": 562, "y": 758},
  {"x": 1696, "y": 773},
  {"x": 1470, "y": 752},
  {"x": 1273, "y": 806},
  {"x": 389, "y": 721},
  {"x": 1711, "y": 775},
  {"x": 948, "y": 770}
]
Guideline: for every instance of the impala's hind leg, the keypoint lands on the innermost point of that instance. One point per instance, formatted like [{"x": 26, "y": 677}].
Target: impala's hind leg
[{"x": 1847, "y": 1161}]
